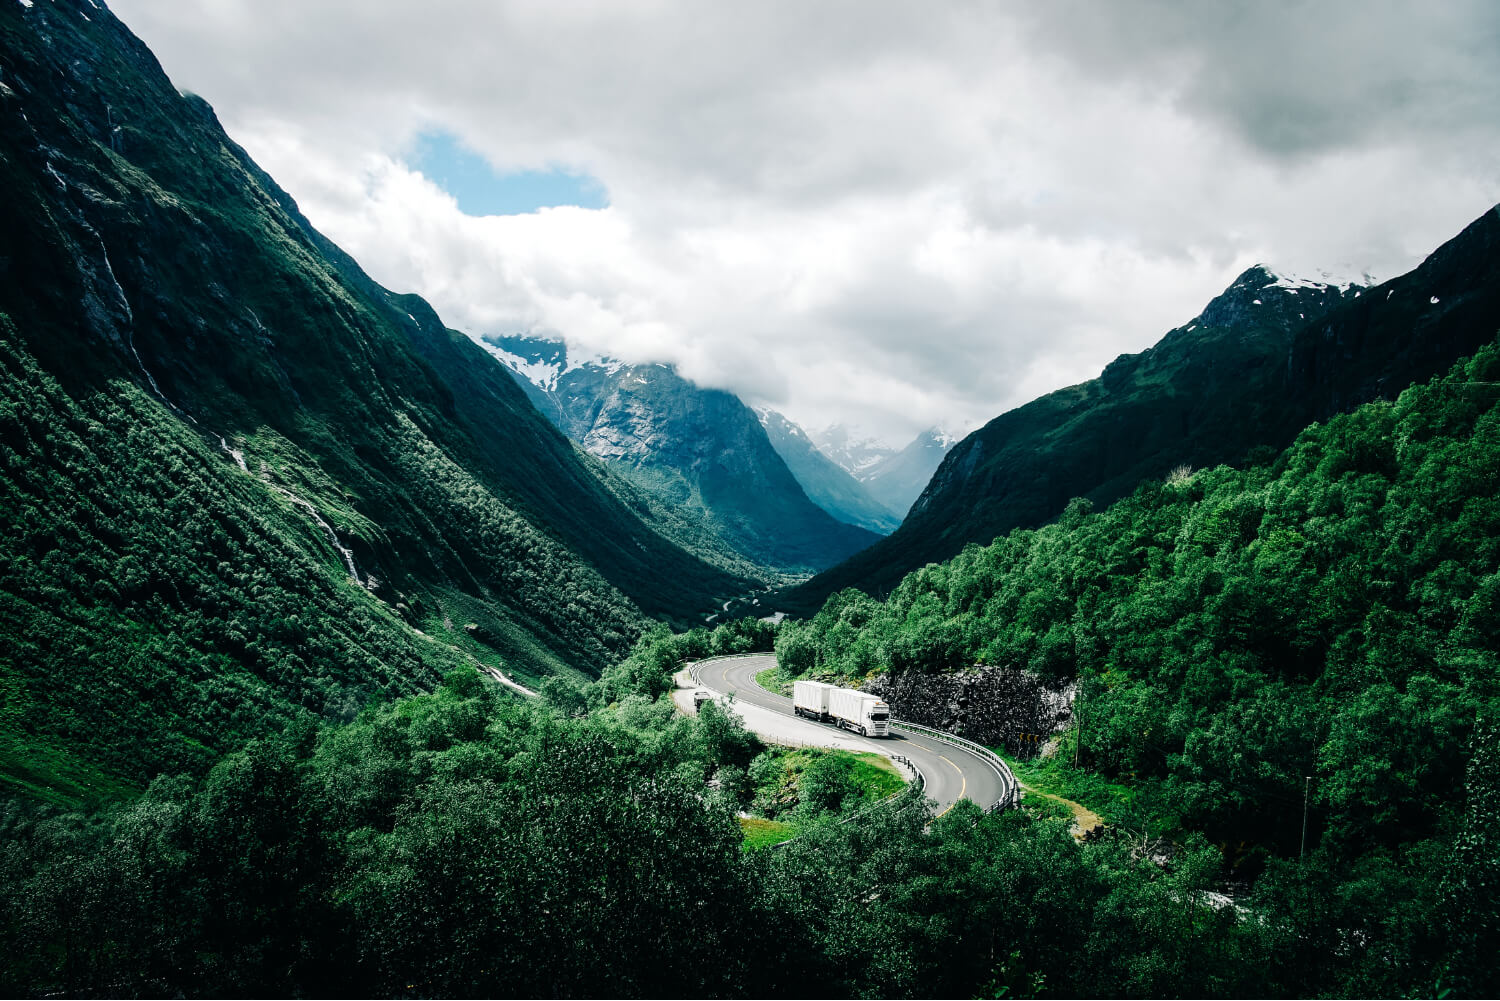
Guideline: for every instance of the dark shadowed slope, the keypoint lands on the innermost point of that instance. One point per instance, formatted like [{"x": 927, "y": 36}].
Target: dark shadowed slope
[{"x": 237, "y": 472}]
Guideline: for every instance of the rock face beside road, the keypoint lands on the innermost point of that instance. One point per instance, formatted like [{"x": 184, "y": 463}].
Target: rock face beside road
[{"x": 988, "y": 705}]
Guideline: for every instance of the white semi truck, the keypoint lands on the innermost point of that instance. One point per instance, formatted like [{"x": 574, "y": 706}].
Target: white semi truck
[{"x": 843, "y": 707}]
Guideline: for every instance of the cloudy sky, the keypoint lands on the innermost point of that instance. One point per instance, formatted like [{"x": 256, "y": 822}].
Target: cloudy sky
[{"x": 890, "y": 215}]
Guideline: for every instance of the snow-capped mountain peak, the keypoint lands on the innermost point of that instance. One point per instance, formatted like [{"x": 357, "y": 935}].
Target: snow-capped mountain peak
[
  {"x": 542, "y": 360},
  {"x": 1322, "y": 280},
  {"x": 850, "y": 448}
]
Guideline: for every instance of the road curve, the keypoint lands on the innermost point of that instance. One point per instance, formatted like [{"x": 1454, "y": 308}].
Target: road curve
[{"x": 952, "y": 773}]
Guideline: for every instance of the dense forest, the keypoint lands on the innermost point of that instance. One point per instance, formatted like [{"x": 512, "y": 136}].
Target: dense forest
[
  {"x": 1320, "y": 631},
  {"x": 466, "y": 842},
  {"x": 1331, "y": 613}
]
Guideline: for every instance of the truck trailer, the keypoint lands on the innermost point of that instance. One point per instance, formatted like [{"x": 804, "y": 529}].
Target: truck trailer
[
  {"x": 845, "y": 708},
  {"x": 810, "y": 699}
]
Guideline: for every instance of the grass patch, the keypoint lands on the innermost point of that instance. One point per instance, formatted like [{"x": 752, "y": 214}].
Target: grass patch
[
  {"x": 500, "y": 635},
  {"x": 45, "y": 773},
  {"x": 1127, "y": 804},
  {"x": 763, "y": 833},
  {"x": 796, "y": 787},
  {"x": 777, "y": 680},
  {"x": 874, "y": 774}
]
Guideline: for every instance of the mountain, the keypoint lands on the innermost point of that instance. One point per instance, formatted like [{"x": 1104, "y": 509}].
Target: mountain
[
  {"x": 1264, "y": 359},
  {"x": 702, "y": 451},
  {"x": 849, "y": 450},
  {"x": 898, "y": 479},
  {"x": 243, "y": 482},
  {"x": 827, "y": 484},
  {"x": 893, "y": 477}
]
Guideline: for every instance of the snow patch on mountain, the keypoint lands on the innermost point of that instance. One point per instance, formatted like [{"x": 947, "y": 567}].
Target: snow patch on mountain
[
  {"x": 851, "y": 448},
  {"x": 542, "y": 374},
  {"x": 947, "y": 437},
  {"x": 542, "y": 361},
  {"x": 770, "y": 419},
  {"x": 1323, "y": 279}
]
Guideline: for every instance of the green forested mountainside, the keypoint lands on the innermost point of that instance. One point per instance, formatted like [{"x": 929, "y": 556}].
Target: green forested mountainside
[
  {"x": 157, "y": 604},
  {"x": 463, "y": 843},
  {"x": 1333, "y": 615},
  {"x": 1260, "y": 363},
  {"x": 195, "y": 385}
]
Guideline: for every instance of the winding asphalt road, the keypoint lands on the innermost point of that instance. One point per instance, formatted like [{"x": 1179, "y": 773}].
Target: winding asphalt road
[{"x": 951, "y": 773}]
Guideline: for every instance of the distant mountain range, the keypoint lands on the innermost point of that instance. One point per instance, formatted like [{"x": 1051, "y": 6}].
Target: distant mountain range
[
  {"x": 1264, "y": 359},
  {"x": 829, "y": 485},
  {"x": 894, "y": 478},
  {"x": 853, "y": 452},
  {"x": 899, "y": 479},
  {"x": 701, "y": 451}
]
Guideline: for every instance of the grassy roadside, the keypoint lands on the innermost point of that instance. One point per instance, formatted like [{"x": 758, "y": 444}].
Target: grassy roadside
[
  {"x": 792, "y": 788},
  {"x": 774, "y": 679},
  {"x": 763, "y": 833},
  {"x": 1092, "y": 798}
]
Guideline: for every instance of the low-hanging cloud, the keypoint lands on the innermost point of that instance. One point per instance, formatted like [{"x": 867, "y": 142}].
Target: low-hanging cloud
[{"x": 884, "y": 214}]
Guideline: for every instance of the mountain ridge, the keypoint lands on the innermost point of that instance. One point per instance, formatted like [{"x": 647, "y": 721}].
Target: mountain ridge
[
  {"x": 1261, "y": 361},
  {"x": 702, "y": 451},
  {"x": 245, "y": 482},
  {"x": 828, "y": 484}
]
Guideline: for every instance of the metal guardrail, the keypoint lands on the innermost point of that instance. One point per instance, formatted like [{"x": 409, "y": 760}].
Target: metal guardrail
[
  {"x": 693, "y": 667},
  {"x": 1010, "y": 794},
  {"x": 917, "y": 773}
]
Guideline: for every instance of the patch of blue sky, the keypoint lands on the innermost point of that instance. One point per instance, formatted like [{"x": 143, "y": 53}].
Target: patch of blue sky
[{"x": 480, "y": 190}]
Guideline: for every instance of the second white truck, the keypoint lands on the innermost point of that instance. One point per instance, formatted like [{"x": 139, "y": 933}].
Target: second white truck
[{"x": 858, "y": 711}]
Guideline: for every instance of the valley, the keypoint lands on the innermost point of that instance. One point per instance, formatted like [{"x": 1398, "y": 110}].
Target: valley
[{"x": 347, "y": 652}]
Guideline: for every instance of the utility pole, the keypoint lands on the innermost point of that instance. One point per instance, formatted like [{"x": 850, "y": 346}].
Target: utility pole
[
  {"x": 1078, "y": 722},
  {"x": 1306, "y": 788}
]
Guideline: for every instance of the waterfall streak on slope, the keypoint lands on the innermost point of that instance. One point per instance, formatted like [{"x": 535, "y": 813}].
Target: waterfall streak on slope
[{"x": 343, "y": 550}]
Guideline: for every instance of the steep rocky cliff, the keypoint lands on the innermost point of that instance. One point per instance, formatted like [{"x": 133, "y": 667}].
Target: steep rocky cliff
[
  {"x": 994, "y": 706},
  {"x": 701, "y": 450}
]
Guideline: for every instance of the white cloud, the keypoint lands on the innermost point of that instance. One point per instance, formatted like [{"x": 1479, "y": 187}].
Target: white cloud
[{"x": 887, "y": 214}]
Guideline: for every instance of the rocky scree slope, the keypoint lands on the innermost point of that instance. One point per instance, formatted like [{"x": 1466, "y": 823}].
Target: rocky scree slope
[
  {"x": 1264, "y": 359},
  {"x": 239, "y": 472}
]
